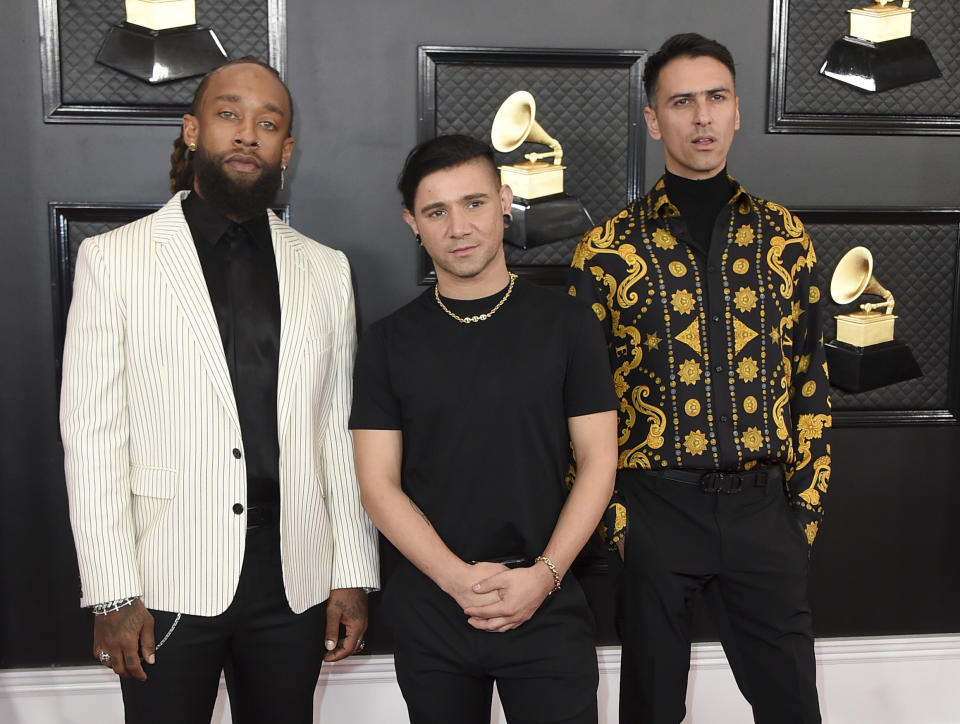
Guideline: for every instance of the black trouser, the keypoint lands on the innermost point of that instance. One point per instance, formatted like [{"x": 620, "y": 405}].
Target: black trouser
[
  {"x": 270, "y": 656},
  {"x": 750, "y": 545},
  {"x": 545, "y": 670}
]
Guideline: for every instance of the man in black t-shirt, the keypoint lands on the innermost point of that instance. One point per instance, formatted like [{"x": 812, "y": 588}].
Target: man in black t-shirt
[{"x": 465, "y": 404}]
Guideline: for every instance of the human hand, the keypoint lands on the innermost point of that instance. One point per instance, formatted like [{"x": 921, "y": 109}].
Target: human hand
[
  {"x": 461, "y": 587},
  {"x": 521, "y": 592},
  {"x": 346, "y": 607},
  {"x": 119, "y": 634}
]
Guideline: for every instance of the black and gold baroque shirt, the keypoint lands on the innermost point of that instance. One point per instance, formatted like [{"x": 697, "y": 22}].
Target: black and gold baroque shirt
[{"x": 718, "y": 361}]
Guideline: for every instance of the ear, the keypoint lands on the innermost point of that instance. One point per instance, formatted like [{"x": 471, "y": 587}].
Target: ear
[
  {"x": 506, "y": 198},
  {"x": 653, "y": 128},
  {"x": 286, "y": 151},
  {"x": 411, "y": 222},
  {"x": 191, "y": 129},
  {"x": 736, "y": 126}
]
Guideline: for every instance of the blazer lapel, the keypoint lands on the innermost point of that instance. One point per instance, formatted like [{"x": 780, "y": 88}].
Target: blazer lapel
[
  {"x": 294, "y": 280},
  {"x": 180, "y": 268}
]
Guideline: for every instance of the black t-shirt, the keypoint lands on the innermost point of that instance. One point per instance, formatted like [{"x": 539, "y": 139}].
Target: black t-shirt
[{"x": 483, "y": 410}]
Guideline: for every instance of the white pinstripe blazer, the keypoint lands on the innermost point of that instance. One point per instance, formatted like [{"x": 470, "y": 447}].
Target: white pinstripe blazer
[{"x": 149, "y": 424}]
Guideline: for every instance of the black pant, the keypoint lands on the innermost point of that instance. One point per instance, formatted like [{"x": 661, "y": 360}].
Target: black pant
[
  {"x": 270, "y": 656},
  {"x": 545, "y": 670},
  {"x": 751, "y": 548}
]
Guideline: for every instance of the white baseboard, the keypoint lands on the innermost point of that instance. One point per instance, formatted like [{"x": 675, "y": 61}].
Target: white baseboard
[{"x": 886, "y": 680}]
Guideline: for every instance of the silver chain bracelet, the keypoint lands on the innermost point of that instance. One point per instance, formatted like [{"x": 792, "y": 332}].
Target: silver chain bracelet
[{"x": 102, "y": 609}]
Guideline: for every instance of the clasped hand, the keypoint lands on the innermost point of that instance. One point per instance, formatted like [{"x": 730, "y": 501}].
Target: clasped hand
[{"x": 511, "y": 597}]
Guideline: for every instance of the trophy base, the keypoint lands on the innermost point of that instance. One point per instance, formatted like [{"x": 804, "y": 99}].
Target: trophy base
[
  {"x": 159, "y": 56},
  {"x": 874, "y": 67},
  {"x": 879, "y": 24},
  {"x": 863, "y": 329},
  {"x": 541, "y": 221},
  {"x": 858, "y": 369},
  {"x": 533, "y": 180}
]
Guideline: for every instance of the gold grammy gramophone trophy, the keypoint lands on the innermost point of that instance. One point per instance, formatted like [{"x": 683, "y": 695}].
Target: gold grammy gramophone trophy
[
  {"x": 160, "y": 41},
  {"x": 880, "y": 51},
  {"x": 865, "y": 354},
  {"x": 542, "y": 212}
]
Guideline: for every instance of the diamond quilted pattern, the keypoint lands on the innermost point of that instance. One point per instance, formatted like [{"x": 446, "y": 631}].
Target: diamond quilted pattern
[
  {"x": 918, "y": 264},
  {"x": 584, "y": 108},
  {"x": 242, "y": 27},
  {"x": 814, "y": 26}
]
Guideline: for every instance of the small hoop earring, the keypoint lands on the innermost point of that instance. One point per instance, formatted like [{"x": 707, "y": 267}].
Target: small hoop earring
[
  {"x": 419, "y": 240},
  {"x": 507, "y": 220},
  {"x": 191, "y": 148}
]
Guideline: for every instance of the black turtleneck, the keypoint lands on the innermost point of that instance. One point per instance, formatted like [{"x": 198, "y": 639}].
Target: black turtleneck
[{"x": 699, "y": 202}]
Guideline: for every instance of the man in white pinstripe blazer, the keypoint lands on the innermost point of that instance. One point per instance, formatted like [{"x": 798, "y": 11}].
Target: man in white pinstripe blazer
[{"x": 206, "y": 389}]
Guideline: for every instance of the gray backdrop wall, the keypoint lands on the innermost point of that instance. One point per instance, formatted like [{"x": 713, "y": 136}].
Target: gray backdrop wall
[{"x": 886, "y": 559}]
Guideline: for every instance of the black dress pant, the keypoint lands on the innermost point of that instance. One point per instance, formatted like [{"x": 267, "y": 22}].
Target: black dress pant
[
  {"x": 545, "y": 670},
  {"x": 751, "y": 550},
  {"x": 270, "y": 656}
]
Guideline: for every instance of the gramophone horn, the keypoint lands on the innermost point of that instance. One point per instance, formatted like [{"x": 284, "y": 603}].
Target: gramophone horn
[
  {"x": 515, "y": 123},
  {"x": 854, "y": 276}
]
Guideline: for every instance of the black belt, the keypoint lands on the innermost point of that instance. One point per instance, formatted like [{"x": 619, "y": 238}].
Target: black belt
[
  {"x": 509, "y": 561},
  {"x": 261, "y": 515},
  {"x": 715, "y": 481}
]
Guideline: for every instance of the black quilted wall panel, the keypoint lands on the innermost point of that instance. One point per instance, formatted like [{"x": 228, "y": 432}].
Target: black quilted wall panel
[
  {"x": 242, "y": 27},
  {"x": 585, "y": 108},
  {"x": 814, "y": 26},
  {"x": 917, "y": 262}
]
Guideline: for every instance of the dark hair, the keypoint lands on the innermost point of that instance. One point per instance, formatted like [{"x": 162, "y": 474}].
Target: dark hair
[
  {"x": 437, "y": 154},
  {"x": 682, "y": 45},
  {"x": 181, "y": 163}
]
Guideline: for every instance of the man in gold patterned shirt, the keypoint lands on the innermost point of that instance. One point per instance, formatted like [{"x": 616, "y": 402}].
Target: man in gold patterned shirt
[{"x": 707, "y": 297}]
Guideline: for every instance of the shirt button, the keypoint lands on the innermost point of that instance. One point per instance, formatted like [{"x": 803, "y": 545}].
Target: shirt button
[
  {"x": 237, "y": 454},
  {"x": 718, "y": 368},
  {"x": 716, "y": 318},
  {"x": 723, "y": 418},
  {"x": 711, "y": 269},
  {"x": 237, "y": 508}
]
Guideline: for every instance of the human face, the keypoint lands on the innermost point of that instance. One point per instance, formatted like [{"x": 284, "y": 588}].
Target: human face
[
  {"x": 241, "y": 125},
  {"x": 695, "y": 114},
  {"x": 458, "y": 213}
]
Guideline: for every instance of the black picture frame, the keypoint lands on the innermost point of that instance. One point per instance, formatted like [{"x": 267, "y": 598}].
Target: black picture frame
[
  {"x": 803, "y": 101},
  {"x": 916, "y": 255},
  {"x": 154, "y": 106},
  {"x": 617, "y": 67},
  {"x": 65, "y": 237}
]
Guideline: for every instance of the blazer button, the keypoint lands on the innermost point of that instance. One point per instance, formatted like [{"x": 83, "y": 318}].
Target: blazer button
[
  {"x": 237, "y": 508},
  {"x": 237, "y": 454}
]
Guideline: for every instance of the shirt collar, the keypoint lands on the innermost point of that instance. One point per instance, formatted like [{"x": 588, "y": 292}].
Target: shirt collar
[
  {"x": 209, "y": 225},
  {"x": 664, "y": 208}
]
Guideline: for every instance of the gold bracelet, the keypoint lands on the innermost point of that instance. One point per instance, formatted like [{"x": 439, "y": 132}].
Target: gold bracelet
[{"x": 553, "y": 569}]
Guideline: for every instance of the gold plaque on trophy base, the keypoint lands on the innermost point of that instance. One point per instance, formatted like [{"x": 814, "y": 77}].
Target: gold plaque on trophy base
[
  {"x": 161, "y": 14},
  {"x": 879, "y": 24},
  {"x": 533, "y": 180},
  {"x": 863, "y": 329}
]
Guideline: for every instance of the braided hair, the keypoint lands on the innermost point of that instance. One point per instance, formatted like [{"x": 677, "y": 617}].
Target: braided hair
[{"x": 181, "y": 158}]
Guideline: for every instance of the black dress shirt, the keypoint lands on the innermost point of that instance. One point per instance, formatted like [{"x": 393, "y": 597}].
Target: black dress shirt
[
  {"x": 717, "y": 358},
  {"x": 241, "y": 274}
]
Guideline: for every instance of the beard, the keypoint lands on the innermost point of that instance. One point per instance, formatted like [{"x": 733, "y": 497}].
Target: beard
[{"x": 233, "y": 199}]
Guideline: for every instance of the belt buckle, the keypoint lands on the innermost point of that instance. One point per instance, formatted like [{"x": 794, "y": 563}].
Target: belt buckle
[{"x": 726, "y": 483}]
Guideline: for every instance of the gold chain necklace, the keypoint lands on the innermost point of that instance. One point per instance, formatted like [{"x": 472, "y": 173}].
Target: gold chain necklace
[{"x": 477, "y": 317}]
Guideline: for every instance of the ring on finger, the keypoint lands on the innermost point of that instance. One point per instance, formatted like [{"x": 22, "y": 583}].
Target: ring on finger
[
  {"x": 361, "y": 645},
  {"x": 105, "y": 658}
]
